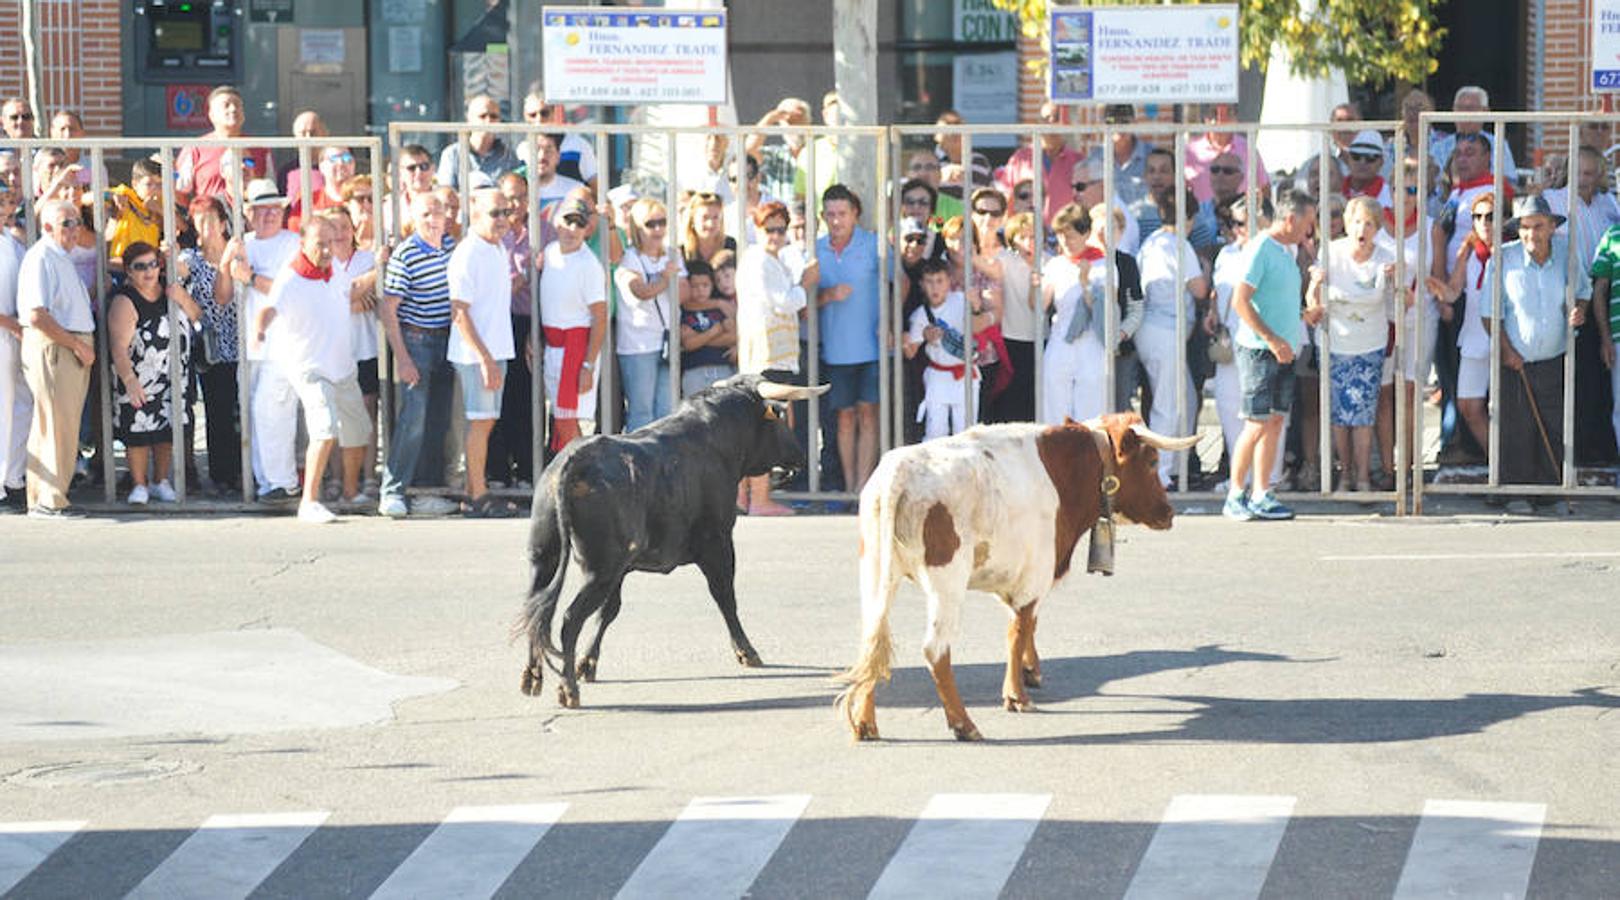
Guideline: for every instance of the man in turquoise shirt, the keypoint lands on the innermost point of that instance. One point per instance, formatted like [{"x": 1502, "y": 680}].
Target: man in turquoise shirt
[
  {"x": 1268, "y": 306},
  {"x": 1533, "y": 336}
]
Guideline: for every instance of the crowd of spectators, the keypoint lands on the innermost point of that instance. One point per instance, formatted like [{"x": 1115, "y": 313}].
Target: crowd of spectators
[{"x": 1244, "y": 310}]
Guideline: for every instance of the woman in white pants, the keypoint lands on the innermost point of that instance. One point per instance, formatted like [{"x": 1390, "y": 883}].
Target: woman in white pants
[
  {"x": 1161, "y": 341},
  {"x": 1074, "y": 383}
]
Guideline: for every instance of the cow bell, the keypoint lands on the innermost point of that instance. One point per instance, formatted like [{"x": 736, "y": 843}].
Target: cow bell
[{"x": 1100, "y": 558}]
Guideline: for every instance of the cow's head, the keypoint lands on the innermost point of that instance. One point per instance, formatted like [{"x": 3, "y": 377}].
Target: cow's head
[
  {"x": 1140, "y": 498},
  {"x": 767, "y": 437}
]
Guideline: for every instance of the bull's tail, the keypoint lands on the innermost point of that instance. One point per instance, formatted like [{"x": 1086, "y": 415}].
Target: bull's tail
[
  {"x": 878, "y": 585},
  {"x": 545, "y": 588}
]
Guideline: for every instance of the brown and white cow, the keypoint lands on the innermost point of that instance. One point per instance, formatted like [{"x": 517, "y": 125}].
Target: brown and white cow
[{"x": 998, "y": 509}]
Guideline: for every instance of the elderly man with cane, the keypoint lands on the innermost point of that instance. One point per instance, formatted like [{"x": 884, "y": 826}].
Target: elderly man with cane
[{"x": 1535, "y": 281}]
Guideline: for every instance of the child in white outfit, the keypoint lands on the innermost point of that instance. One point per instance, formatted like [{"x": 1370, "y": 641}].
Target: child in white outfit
[{"x": 936, "y": 329}]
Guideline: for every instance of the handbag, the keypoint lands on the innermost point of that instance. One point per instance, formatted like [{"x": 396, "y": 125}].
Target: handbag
[
  {"x": 1220, "y": 346},
  {"x": 1200, "y": 365}
]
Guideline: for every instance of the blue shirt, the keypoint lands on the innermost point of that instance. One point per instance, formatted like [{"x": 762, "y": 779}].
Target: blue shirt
[
  {"x": 1533, "y": 298},
  {"x": 849, "y": 327},
  {"x": 1274, "y": 275},
  {"x": 417, "y": 275}
]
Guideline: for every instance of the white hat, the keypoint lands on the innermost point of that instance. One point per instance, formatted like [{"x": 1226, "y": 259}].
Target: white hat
[
  {"x": 621, "y": 195},
  {"x": 1368, "y": 141},
  {"x": 263, "y": 192}
]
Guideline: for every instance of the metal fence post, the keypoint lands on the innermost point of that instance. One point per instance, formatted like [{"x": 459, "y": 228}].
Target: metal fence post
[
  {"x": 104, "y": 367},
  {"x": 180, "y": 334}
]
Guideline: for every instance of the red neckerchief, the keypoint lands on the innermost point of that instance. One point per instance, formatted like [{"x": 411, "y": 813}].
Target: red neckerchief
[
  {"x": 1372, "y": 190},
  {"x": 306, "y": 269},
  {"x": 1088, "y": 253},
  {"x": 1482, "y": 252},
  {"x": 1411, "y": 220},
  {"x": 1483, "y": 180}
]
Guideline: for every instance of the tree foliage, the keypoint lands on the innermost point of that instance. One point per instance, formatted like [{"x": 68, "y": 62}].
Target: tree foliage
[{"x": 1371, "y": 41}]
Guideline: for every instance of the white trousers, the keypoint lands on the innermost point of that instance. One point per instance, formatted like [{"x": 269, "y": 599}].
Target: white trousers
[
  {"x": 1161, "y": 353},
  {"x": 943, "y": 411},
  {"x": 16, "y": 414},
  {"x": 275, "y": 429},
  {"x": 1072, "y": 380}
]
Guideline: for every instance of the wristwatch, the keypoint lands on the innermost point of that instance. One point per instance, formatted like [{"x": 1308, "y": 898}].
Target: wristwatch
[{"x": 588, "y": 366}]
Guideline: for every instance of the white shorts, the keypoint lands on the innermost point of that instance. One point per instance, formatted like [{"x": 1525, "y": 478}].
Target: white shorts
[
  {"x": 586, "y": 408},
  {"x": 1417, "y": 360},
  {"x": 334, "y": 409},
  {"x": 1473, "y": 377}
]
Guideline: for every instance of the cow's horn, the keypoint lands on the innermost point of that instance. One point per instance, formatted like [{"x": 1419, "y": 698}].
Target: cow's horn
[
  {"x": 1154, "y": 439},
  {"x": 771, "y": 390}
]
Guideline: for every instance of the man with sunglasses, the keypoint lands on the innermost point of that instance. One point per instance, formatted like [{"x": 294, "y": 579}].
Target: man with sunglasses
[
  {"x": 1366, "y": 160},
  {"x": 1202, "y": 151},
  {"x": 336, "y": 166},
  {"x": 58, "y": 348},
  {"x": 17, "y": 118},
  {"x": 576, "y": 158},
  {"x": 481, "y": 338},
  {"x": 1058, "y": 162},
  {"x": 490, "y": 155}
]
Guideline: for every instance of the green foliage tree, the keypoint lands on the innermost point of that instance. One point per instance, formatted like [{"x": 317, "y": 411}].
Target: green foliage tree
[{"x": 1371, "y": 41}]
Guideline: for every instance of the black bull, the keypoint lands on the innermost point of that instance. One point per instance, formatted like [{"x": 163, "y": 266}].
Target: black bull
[{"x": 649, "y": 501}]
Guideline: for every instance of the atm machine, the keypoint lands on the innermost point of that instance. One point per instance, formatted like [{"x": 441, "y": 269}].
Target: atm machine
[{"x": 188, "y": 40}]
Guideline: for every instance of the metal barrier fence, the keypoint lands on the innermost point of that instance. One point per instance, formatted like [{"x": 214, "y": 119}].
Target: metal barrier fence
[{"x": 165, "y": 150}]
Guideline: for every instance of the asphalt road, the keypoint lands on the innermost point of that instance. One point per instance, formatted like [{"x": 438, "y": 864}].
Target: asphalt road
[{"x": 1335, "y": 707}]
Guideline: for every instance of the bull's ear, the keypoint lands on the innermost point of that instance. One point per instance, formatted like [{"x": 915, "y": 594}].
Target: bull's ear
[{"x": 1127, "y": 443}]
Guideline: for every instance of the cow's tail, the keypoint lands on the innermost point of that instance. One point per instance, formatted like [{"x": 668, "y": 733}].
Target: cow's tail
[
  {"x": 541, "y": 606},
  {"x": 877, "y": 520}
]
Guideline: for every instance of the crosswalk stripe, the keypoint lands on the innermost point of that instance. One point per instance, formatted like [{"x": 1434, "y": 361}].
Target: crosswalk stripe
[
  {"x": 472, "y": 852},
  {"x": 1470, "y": 849},
  {"x": 228, "y": 856},
  {"x": 716, "y": 848},
  {"x": 1212, "y": 846},
  {"x": 24, "y": 845},
  {"x": 963, "y": 845}
]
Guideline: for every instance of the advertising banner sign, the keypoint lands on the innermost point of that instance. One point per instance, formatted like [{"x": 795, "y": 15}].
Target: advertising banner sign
[
  {"x": 610, "y": 56},
  {"x": 1606, "y": 46},
  {"x": 1145, "y": 54}
]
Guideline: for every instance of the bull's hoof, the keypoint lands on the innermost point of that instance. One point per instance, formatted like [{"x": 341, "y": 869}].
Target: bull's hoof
[
  {"x": 866, "y": 731},
  {"x": 1017, "y": 704},
  {"x": 967, "y": 732},
  {"x": 532, "y": 678},
  {"x": 567, "y": 697},
  {"x": 750, "y": 659},
  {"x": 1032, "y": 678},
  {"x": 587, "y": 669}
]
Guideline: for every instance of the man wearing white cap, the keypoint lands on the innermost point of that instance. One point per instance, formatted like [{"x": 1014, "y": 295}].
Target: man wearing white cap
[
  {"x": 573, "y": 306},
  {"x": 1366, "y": 161},
  {"x": 274, "y": 410}
]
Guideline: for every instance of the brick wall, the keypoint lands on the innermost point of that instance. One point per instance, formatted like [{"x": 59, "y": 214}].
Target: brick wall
[{"x": 81, "y": 55}]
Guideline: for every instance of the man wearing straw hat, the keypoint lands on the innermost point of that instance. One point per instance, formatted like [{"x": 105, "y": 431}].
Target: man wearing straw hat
[{"x": 1535, "y": 273}]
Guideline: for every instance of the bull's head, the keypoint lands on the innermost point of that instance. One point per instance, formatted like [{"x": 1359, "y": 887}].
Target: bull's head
[
  {"x": 1140, "y": 498},
  {"x": 771, "y": 445}
]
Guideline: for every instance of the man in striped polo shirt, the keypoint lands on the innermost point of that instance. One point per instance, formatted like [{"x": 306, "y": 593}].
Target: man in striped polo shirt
[{"x": 416, "y": 315}]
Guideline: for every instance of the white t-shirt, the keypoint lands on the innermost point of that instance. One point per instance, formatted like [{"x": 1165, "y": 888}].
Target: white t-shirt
[
  {"x": 479, "y": 277},
  {"x": 560, "y": 186},
  {"x": 1473, "y": 340},
  {"x": 268, "y": 258},
  {"x": 1231, "y": 265},
  {"x": 11, "y": 257},
  {"x": 363, "y": 325},
  {"x": 310, "y": 333},
  {"x": 1416, "y": 271},
  {"x": 1357, "y": 298},
  {"x": 948, "y": 313},
  {"x": 642, "y": 324},
  {"x": 569, "y": 284},
  {"x": 1017, "y": 315},
  {"x": 1063, "y": 276},
  {"x": 1157, "y": 260}
]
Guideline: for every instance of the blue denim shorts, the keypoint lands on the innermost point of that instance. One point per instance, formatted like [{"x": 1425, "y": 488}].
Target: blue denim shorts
[
  {"x": 851, "y": 384},
  {"x": 478, "y": 402},
  {"x": 1267, "y": 388}
]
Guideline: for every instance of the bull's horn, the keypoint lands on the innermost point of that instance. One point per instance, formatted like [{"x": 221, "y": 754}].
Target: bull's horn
[
  {"x": 1154, "y": 439},
  {"x": 771, "y": 390}
]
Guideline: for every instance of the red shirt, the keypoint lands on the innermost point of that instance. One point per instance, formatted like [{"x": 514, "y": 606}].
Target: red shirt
[{"x": 200, "y": 173}]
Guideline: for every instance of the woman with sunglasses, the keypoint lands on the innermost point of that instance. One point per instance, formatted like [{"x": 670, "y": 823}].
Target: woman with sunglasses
[
  {"x": 1468, "y": 284},
  {"x": 360, "y": 201},
  {"x": 1416, "y": 359},
  {"x": 142, "y": 343},
  {"x": 641, "y": 332},
  {"x": 704, "y": 233}
]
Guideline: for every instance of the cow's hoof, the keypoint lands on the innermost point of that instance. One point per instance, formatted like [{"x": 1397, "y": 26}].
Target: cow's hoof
[
  {"x": 967, "y": 732},
  {"x": 532, "y": 678},
  {"x": 586, "y": 669},
  {"x": 750, "y": 659},
  {"x": 1032, "y": 678},
  {"x": 567, "y": 698},
  {"x": 1018, "y": 704},
  {"x": 866, "y": 731}
]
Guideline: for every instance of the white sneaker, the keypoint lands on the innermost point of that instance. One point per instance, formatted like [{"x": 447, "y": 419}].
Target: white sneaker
[
  {"x": 138, "y": 495},
  {"x": 314, "y": 513},
  {"x": 164, "y": 491},
  {"x": 429, "y": 505},
  {"x": 360, "y": 501},
  {"x": 393, "y": 506}
]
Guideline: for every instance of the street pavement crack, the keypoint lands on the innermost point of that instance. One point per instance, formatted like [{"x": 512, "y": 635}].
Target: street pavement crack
[{"x": 287, "y": 566}]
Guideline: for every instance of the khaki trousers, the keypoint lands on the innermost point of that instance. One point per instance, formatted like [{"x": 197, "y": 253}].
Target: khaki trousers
[{"x": 58, "y": 383}]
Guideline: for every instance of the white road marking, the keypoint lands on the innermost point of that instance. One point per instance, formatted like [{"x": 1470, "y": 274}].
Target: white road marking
[
  {"x": 228, "y": 856},
  {"x": 1212, "y": 846},
  {"x": 963, "y": 845},
  {"x": 1428, "y": 557},
  {"x": 716, "y": 848},
  {"x": 24, "y": 845},
  {"x": 1470, "y": 849},
  {"x": 472, "y": 852}
]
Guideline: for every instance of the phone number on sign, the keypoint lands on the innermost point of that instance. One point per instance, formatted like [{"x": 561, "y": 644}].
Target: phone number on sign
[
  {"x": 638, "y": 93},
  {"x": 1180, "y": 89}
]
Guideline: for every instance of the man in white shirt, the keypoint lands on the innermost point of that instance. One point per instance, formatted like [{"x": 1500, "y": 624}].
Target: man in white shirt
[
  {"x": 274, "y": 402},
  {"x": 481, "y": 337},
  {"x": 310, "y": 313},
  {"x": 16, "y": 403},
  {"x": 58, "y": 348},
  {"x": 573, "y": 307}
]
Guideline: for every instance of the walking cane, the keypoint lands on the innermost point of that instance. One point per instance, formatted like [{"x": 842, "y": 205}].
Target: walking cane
[{"x": 1535, "y": 412}]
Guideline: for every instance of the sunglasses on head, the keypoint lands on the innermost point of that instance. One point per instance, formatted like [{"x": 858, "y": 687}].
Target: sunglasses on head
[
  {"x": 575, "y": 220},
  {"x": 1224, "y": 170},
  {"x": 147, "y": 266}
]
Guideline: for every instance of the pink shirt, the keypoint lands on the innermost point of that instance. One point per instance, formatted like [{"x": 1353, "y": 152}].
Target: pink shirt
[
  {"x": 1201, "y": 152},
  {"x": 1057, "y": 189}
]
